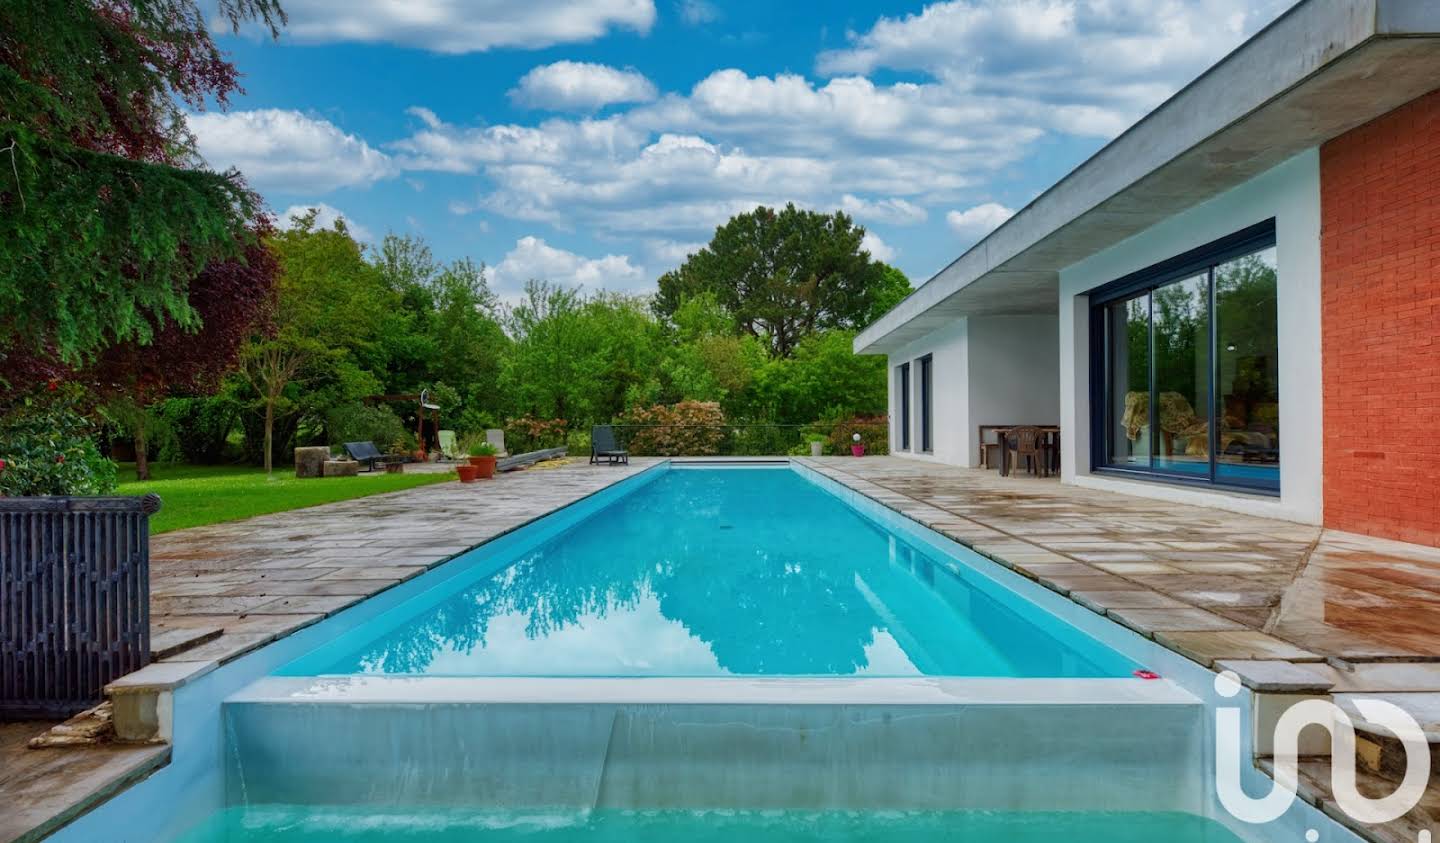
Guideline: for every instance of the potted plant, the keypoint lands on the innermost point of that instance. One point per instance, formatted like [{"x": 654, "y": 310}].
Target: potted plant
[
  {"x": 857, "y": 448},
  {"x": 482, "y": 458},
  {"x": 467, "y": 472},
  {"x": 817, "y": 444}
]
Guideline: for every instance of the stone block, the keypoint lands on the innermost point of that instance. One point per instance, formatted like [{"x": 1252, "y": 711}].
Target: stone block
[
  {"x": 341, "y": 468},
  {"x": 310, "y": 461}
]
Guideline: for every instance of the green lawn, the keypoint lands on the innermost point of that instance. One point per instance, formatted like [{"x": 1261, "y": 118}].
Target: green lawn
[{"x": 194, "y": 495}]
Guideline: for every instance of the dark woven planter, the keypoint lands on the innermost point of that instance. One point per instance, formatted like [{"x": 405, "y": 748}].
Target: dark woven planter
[{"x": 74, "y": 600}]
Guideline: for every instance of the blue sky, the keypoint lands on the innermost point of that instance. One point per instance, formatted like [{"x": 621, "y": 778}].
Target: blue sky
[{"x": 595, "y": 142}]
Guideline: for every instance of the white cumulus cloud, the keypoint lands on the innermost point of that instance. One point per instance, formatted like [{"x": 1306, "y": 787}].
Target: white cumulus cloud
[
  {"x": 697, "y": 12},
  {"x": 978, "y": 221},
  {"x": 287, "y": 151},
  {"x": 878, "y": 249},
  {"x": 465, "y": 26},
  {"x": 1104, "y": 62},
  {"x": 532, "y": 257},
  {"x": 325, "y": 217},
  {"x": 893, "y": 210},
  {"x": 580, "y": 86}
]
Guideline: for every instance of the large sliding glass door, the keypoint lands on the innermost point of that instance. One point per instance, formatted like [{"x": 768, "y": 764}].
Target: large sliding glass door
[{"x": 1185, "y": 367}]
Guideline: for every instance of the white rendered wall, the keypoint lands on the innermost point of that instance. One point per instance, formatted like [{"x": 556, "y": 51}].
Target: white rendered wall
[
  {"x": 1014, "y": 373},
  {"x": 950, "y": 409},
  {"x": 1290, "y": 193},
  {"x": 987, "y": 370}
]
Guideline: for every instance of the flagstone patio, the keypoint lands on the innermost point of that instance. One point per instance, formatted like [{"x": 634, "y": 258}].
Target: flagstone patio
[{"x": 1290, "y": 607}]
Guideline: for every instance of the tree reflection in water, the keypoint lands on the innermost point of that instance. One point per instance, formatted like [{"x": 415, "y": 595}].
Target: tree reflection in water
[{"x": 720, "y": 571}]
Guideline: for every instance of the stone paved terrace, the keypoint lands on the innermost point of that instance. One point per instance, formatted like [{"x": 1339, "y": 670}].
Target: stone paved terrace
[
  {"x": 1271, "y": 599},
  {"x": 1211, "y": 584}
]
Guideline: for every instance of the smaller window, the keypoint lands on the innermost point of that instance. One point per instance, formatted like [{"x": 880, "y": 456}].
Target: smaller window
[
  {"x": 926, "y": 402},
  {"x": 902, "y": 386}
]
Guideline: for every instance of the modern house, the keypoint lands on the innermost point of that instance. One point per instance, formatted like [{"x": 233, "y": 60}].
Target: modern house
[{"x": 1236, "y": 303}]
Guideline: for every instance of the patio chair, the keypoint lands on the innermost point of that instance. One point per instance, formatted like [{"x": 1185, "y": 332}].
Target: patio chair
[
  {"x": 449, "y": 445},
  {"x": 367, "y": 453},
  {"x": 495, "y": 436},
  {"x": 604, "y": 447},
  {"x": 1028, "y": 443}
]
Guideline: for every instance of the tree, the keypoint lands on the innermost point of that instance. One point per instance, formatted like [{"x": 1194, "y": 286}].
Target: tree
[
  {"x": 578, "y": 357},
  {"x": 270, "y": 367},
  {"x": 233, "y": 300},
  {"x": 104, "y": 219},
  {"x": 893, "y": 287},
  {"x": 783, "y": 275}
]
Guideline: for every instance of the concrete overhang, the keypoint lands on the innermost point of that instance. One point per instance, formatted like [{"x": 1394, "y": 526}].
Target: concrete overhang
[{"x": 1321, "y": 69}]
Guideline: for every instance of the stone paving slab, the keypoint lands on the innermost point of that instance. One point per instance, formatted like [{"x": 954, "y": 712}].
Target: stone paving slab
[
  {"x": 1224, "y": 585},
  {"x": 42, "y": 789}
]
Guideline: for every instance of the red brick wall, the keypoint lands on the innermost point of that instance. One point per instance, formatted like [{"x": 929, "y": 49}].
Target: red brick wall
[{"x": 1380, "y": 283}]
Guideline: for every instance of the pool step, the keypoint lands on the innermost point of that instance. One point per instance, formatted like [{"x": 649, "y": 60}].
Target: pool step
[{"x": 700, "y": 743}]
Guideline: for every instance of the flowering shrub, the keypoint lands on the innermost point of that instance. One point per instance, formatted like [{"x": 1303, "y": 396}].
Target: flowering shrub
[
  {"x": 47, "y": 448},
  {"x": 690, "y": 429},
  {"x": 874, "y": 435},
  {"x": 528, "y": 433}
]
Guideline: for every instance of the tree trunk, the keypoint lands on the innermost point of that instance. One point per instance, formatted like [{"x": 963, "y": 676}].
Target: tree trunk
[
  {"x": 269, "y": 434},
  {"x": 142, "y": 452}
]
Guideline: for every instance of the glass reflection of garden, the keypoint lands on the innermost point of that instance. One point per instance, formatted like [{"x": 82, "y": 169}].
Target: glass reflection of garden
[{"x": 1171, "y": 341}]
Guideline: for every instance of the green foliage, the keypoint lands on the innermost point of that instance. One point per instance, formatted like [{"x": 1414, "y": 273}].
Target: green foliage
[
  {"x": 576, "y": 356},
  {"x": 103, "y": 223},
  {"x": 874, "y": 435},
  {"x": 200, "y": 428},
  {"x": 889, "y": 291},
  {"x": 784, "y": 276},
  {"x": 824, "y": 378},
  {"x": 528, "y": 433},
  {"x": 689, "y": 428},
  {"x": 48, "y": 448},
  {"x": 483, "y": 449},
  {"x": 355, "y": 422}
]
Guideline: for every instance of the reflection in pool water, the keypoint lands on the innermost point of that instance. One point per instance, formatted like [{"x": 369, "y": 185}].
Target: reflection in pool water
[{"x": 729, "y": 571}]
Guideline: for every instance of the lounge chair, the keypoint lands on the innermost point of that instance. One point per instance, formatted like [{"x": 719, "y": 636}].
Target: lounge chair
[
  {"x": 449, "y": 445},
  {"x": 367, "y": 453},
  {"x": 604, "y": 447}
]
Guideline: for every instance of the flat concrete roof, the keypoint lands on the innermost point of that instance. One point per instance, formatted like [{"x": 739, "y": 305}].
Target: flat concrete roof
[{"x": 1321, "y": 69}]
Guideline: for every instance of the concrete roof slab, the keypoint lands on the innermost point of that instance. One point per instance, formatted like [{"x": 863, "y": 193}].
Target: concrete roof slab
[{"x": 1321, "y": 69}]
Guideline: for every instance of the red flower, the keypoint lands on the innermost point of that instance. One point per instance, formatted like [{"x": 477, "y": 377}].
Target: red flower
[
  {"x": 52, "y": 386},
  {"x": 59, "y": 458},
  {"x": 2, "y": 465}
]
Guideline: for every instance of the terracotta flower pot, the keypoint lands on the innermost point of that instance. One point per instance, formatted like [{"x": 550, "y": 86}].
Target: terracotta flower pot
[
  {"x": 857, "y": 450},
  {"x": 467, "y": 473},
  {"x": 485, "y": 466}
]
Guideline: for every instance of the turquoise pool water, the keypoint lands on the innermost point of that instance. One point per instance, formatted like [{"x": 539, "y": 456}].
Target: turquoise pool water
[
  {"x": 304, "y": 825},
  {"x": 720, "y": 571}
]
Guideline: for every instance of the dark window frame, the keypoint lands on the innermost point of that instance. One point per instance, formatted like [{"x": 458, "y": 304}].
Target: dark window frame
[
  {"x": 902, "y": 374},
  {"x": 926, "y": 383},
  {"x": 1204, "y": 259}
]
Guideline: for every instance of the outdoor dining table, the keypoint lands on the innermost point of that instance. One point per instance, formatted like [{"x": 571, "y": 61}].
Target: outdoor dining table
[{"x": 1002, "y": 432}]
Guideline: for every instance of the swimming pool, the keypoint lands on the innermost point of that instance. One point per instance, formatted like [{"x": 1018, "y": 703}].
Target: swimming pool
[
  {"x": 708, "y": 571},
  {"x": 700, "y": 653}
]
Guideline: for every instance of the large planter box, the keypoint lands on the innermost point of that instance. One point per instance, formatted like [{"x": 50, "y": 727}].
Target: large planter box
[{"x": 74, "y": 600}]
